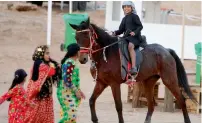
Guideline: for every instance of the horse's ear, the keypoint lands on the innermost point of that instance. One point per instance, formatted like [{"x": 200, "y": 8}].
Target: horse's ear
[
  {"x": 88, "y": 21},
  {"x": 74, "y": 26},
  {"x": 85, "y": 24}
]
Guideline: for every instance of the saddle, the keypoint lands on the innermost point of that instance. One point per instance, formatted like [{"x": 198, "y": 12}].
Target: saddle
[{"x": 126, "y": 60}]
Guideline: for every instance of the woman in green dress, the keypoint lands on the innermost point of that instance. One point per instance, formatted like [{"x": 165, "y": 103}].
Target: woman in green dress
[{"x": 68, "y": 92}]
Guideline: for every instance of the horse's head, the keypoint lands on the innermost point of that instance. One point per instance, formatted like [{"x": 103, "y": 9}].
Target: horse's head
[{"x": 85, "y": 38}]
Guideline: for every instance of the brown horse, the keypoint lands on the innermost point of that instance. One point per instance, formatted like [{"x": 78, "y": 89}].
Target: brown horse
[{"x": 157, "y": 62}]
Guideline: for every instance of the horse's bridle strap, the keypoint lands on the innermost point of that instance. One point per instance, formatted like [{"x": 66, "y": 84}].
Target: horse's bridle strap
[{"x": 86, "y": 30}]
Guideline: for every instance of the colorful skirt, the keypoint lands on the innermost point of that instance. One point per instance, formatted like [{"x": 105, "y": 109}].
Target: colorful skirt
[{"x": 69, "y": 104}]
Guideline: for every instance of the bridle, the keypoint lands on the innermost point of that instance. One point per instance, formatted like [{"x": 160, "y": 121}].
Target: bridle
[
  {"x": 89, "y": 50},
  {"x": 92, "y": 36}
]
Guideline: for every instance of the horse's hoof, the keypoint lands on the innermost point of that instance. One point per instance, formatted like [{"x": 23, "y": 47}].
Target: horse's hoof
[
  {"x": 187, "y": 121},
  {"x": 147, "y": 121},
  {"x": 95, "y": 121}
]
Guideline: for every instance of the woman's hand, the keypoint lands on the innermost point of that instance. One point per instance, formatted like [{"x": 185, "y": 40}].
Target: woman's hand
[
  {"x": 83, "y": 95},
  {"x": 132, "y": 33},
  {"x": 51, "y": 65},
  {"x": 80, "y": 95},
  {"x": 56, "y": 64}
]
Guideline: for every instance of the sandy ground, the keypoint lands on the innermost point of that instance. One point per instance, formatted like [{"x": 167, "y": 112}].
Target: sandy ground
[{"x": 21, "y": 32}]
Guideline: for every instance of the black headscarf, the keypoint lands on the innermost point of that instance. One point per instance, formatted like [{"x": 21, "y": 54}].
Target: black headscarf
[
  {"x": 72, "y": 50},
  {"x": 19, "y": 77},
  {"x": 38, "y": 58}
]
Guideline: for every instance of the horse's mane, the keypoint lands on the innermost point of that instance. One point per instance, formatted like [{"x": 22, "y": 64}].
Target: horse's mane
[{"x": 104, "y": 39}]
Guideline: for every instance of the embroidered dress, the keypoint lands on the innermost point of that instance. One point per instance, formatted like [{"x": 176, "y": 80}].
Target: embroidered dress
[
  {"x": 66, "y": 91},
  {"x": 17, "y": 105},
  {"x": 40, "y": 110}
]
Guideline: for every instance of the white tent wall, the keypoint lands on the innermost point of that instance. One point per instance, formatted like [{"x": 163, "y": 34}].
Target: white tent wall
[{"x": 170, "y": 37}]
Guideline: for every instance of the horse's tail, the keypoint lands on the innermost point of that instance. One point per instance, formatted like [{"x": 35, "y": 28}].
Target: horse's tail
[{"x": 182, "y": 77}]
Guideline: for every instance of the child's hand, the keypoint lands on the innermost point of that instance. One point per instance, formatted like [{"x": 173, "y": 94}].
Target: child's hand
[
  {"x": 1, "y": 101},
  {"x": 132, "y": 34},
  {"x": 109, "y": 32},
  {"x": 113, "y": 34}
]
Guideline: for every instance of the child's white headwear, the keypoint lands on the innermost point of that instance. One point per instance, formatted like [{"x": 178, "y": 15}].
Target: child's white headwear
[{"x": 130, "y": 3}]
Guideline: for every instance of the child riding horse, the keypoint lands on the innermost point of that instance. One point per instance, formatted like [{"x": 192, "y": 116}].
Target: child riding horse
[{"x": 131, "y": 22}]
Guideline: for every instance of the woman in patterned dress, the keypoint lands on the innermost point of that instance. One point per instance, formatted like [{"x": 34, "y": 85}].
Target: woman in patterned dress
[
  {"x": 17, "y": 96},
  {"x": 68, "y": 92},
  {"x": 40, "y": 88}
]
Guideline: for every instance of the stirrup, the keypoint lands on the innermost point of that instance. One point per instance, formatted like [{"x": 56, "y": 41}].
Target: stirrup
[
  {"x": 133, "y": 71},
  {"x": 130, "y": 82}
]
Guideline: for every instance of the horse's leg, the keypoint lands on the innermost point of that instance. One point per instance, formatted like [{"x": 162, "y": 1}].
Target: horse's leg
[
  {"x": 98, "y": 89},
  {"x": 149, "y": 93},
  {"x": 169, "y": 78},
  {"x": 116, "y": 91}
]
